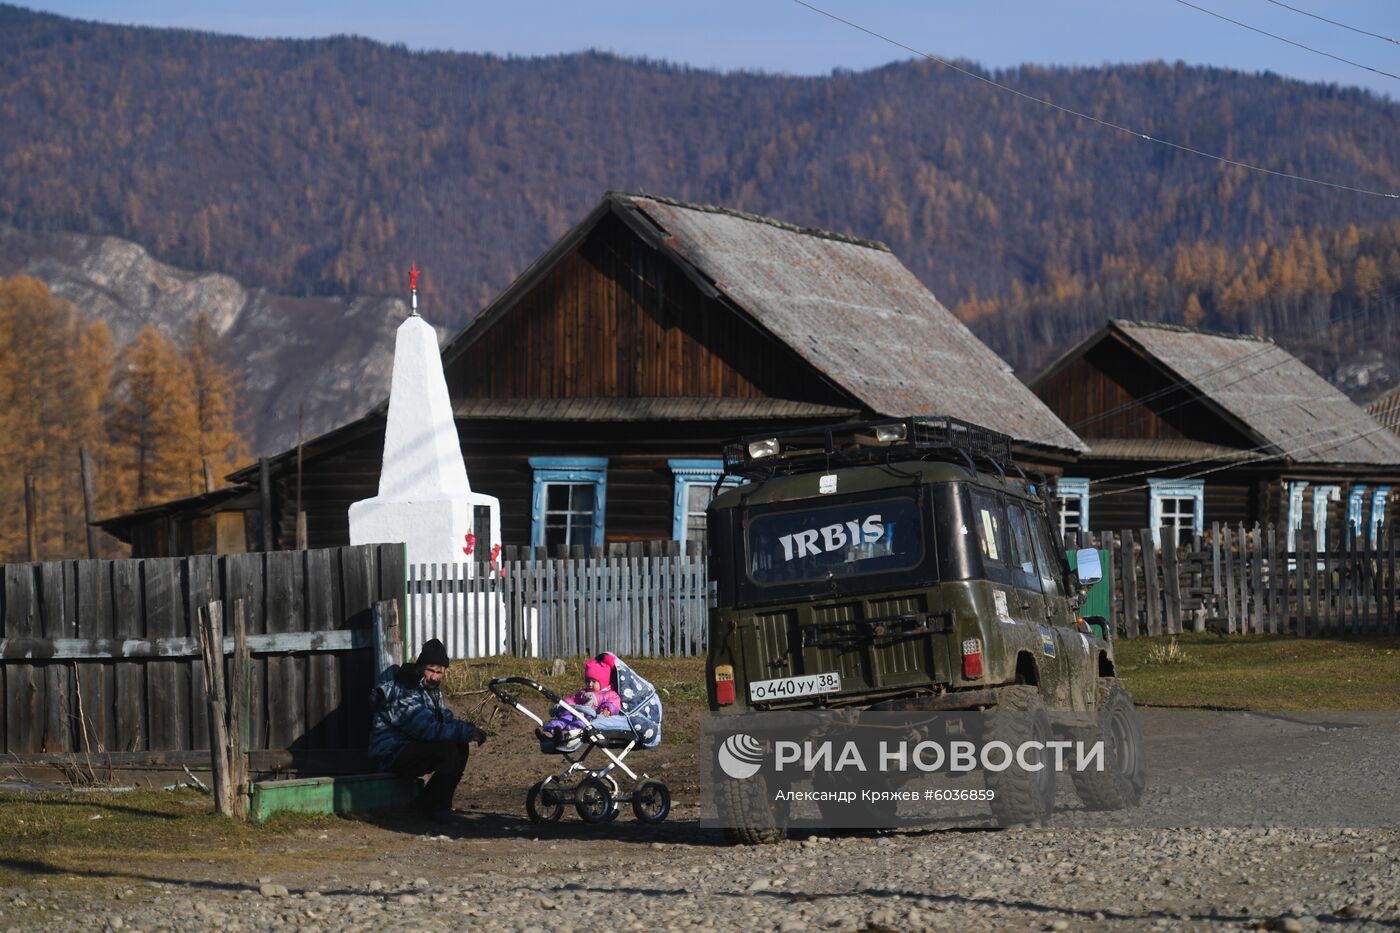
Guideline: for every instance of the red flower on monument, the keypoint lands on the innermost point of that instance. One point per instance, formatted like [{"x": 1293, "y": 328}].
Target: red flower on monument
[
  {"x": 471, "y": 545},
  {"x": 495, "y": 555}
]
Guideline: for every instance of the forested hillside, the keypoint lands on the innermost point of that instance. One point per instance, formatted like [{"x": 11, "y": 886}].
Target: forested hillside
[{"x": 324, "y": 167}]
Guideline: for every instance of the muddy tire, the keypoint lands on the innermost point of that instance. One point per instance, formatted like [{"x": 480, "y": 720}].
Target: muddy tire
[
  {"x": 1022, "y": 797},
  {"x": 749, "y": 812},
  {"x": 1120, "y": 784}
]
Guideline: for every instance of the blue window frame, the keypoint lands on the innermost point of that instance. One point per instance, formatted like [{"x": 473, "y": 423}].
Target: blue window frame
[
  {"x": 569, "y": 501},
  {"x": 1321, "y": 495},
  {"x": 1356, "y": 511},
  {"x": 1295, "y": 512},
  {"x": 1073, "y": 494},
  {"x": 1379, "y": 497},
  {"x": 695, "y": 484},
  {"x": 1178, "y": 505}
]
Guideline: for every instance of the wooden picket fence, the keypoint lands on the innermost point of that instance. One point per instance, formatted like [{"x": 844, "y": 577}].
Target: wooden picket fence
[
  {"x": 1241, "y": 580},
  {"x": 101, "y": 663},
  {"x": 640, "y": 606}
]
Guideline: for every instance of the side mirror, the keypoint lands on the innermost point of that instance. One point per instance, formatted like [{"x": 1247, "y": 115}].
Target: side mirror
[{"x": 1087, "y": 563}]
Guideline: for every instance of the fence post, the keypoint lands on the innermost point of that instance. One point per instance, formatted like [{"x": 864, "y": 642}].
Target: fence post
[
  {"x": 1227, "y": 547},
  {"x": 211, "y": 643},
  {"x": 1256, "y": 547},
  {"x": 1274, "y": 590},
  {"x": 1217, "y": 590},
  {"x": 1153, "y": 594},
  {"x": 1171, "y": 571},
  {"x": 388, "y": 640},
  {"x": 1130, "y": 605},
  {"x": 239, "y": 711}
]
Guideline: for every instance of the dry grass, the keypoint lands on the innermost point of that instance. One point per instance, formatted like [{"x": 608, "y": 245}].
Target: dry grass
[
  {"x": 1265, "y": 672},
  {"x": 1169, "y": 653}
]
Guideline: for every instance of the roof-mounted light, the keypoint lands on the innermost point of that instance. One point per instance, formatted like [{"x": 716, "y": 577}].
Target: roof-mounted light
[
  {"x": 889, "y": 433},
  {"x": 768, "y": 447}
]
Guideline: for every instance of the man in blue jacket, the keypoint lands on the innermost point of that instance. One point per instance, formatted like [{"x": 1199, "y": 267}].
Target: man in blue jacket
[{"x": 414, "y": 733}]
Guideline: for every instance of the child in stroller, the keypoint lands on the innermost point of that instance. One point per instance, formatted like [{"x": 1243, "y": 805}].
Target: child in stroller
[
  {"x": 635, "y": 726},
  {"x": 597, "y": 698}
]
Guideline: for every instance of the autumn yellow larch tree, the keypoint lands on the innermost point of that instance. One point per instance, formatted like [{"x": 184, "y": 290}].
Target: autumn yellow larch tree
[
  {"x": 153, "y": 424},
  {"x": 52, "y": 382},
  {"x": 216, "y": 392}
]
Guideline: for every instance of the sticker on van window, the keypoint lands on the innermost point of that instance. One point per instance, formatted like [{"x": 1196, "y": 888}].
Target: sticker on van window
[
  {"x": 827, "y": 484},
  {"x": 989, "y": 536},
  {"x": 1003, "y": 615},
  {"x": 830, "y": 538}
]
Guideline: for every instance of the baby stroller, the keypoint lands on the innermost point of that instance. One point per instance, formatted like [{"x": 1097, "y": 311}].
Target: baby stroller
[{"x": 596, "y": 794}]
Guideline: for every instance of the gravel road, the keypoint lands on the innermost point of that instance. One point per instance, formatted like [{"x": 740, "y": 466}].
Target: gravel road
[
  {"x": 487, "y": 875},
  {"x": 495, "y": 871}
]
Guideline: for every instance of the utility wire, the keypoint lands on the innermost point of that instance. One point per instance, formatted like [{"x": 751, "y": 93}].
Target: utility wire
[
  {"x": 1262, "y": 32},
  {"x": 1374, "y": 35},
  {"x": 1284, "y": 453},
  {"x": 1236, "y": 456},
  {"x": 1249, "y": 166},
  {"x": 1194, "y": 381}
]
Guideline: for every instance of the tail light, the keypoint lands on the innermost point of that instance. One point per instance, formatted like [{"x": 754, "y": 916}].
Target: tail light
[
  {"x": 972, "y": 658},
  {"x": 724, "y": 685}
]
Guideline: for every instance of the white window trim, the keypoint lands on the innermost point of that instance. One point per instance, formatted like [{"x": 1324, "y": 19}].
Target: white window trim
[
  {"x": 1160, "y": 489},
  {"x": 1321, "y": 495},
  {"x": 1379, "y": 497},
  {"x": 1073, "y": 487},
  {"x": 692, "y": 473},
  {"x": 1356, "y": 502},
  {"x": 1295, "y": 512}
]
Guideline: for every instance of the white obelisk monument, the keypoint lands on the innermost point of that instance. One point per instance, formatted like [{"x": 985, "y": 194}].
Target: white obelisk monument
[{"x": 425, "y": 500}]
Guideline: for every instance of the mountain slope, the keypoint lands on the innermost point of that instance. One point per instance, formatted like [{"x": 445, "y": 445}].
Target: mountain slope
[
  {"x": 329, "y": 358},
  {"x": 324, "y": 167}
]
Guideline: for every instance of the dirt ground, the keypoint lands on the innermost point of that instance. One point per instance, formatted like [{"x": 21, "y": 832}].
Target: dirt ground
[{"x": 493, "y": 870}]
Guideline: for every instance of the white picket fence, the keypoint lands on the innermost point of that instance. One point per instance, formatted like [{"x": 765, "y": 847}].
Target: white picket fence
[{"x": 552, "y": 608}]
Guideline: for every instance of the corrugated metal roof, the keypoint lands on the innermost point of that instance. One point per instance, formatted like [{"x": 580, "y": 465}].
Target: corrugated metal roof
[
  {"x": 1271, "y": 392},
  {"x": 1386, "y": 410},
  {"x": 643, "y": 409},
  {"x": 1147, "y": 448},
  {"x": 852, "y": 310}
]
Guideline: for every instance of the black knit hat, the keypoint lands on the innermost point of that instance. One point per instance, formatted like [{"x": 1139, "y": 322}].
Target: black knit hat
[{"x": 433, "y": 652}]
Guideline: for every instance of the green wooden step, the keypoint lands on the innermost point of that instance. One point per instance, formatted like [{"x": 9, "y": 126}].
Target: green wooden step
[{"x": 346, "y": 793}]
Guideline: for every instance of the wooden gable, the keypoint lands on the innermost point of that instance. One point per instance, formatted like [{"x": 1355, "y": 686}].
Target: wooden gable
[
  {"x": 615, "y": 318},
  {"x": 1111, "y": 390}
]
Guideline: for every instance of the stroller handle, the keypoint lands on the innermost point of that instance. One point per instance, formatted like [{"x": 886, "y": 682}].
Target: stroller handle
[{"x": 497, "y": 686}]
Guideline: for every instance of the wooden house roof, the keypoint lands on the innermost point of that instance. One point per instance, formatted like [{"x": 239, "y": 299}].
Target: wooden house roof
[
  {"x": 846, "y": 306},
  {"x": 1386, "y": 410},
  {"x": 1286, "y": 408}
]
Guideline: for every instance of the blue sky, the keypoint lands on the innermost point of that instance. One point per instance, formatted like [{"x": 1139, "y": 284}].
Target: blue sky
[{"x": 780, "y": 36}]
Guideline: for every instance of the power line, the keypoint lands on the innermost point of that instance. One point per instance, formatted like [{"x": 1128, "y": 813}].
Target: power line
[
  {"x": 1374, "y": 35},
  {"x": 1233, "y": 454},
  {"x": 1284, "y": 453},
  {"x": 1170, "y": 388},
  {"x": 1092, "y": 119},
  {"x": 1194, "y": 381},
  {"x": 1308, "y": 48}
]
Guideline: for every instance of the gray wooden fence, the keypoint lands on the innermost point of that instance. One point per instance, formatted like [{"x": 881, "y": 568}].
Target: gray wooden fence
[
  {"x": 1241, "y": 580},
  {"x": 640, "y": 606},
  {"x": 101, "y": 659}
]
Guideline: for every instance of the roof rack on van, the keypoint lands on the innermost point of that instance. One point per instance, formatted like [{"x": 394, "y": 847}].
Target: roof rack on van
[{"x": 920, "y": 437}]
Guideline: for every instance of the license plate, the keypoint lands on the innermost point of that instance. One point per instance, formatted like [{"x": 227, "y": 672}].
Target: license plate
[{"x": 788, "y": 688}]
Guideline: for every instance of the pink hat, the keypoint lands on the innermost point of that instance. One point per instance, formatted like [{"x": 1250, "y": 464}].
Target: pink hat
[{"x": 597, "y": 670}]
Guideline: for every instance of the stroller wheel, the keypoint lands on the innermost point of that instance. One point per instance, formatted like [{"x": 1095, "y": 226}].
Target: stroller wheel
[
  {"x": 543, "y": 804},
  {"x": 594, "y": 801},
  {"x": 651, "y": 802}
]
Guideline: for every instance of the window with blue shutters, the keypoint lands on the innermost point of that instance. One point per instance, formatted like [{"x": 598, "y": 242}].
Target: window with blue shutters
[{"x": 569, "y": 501}]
